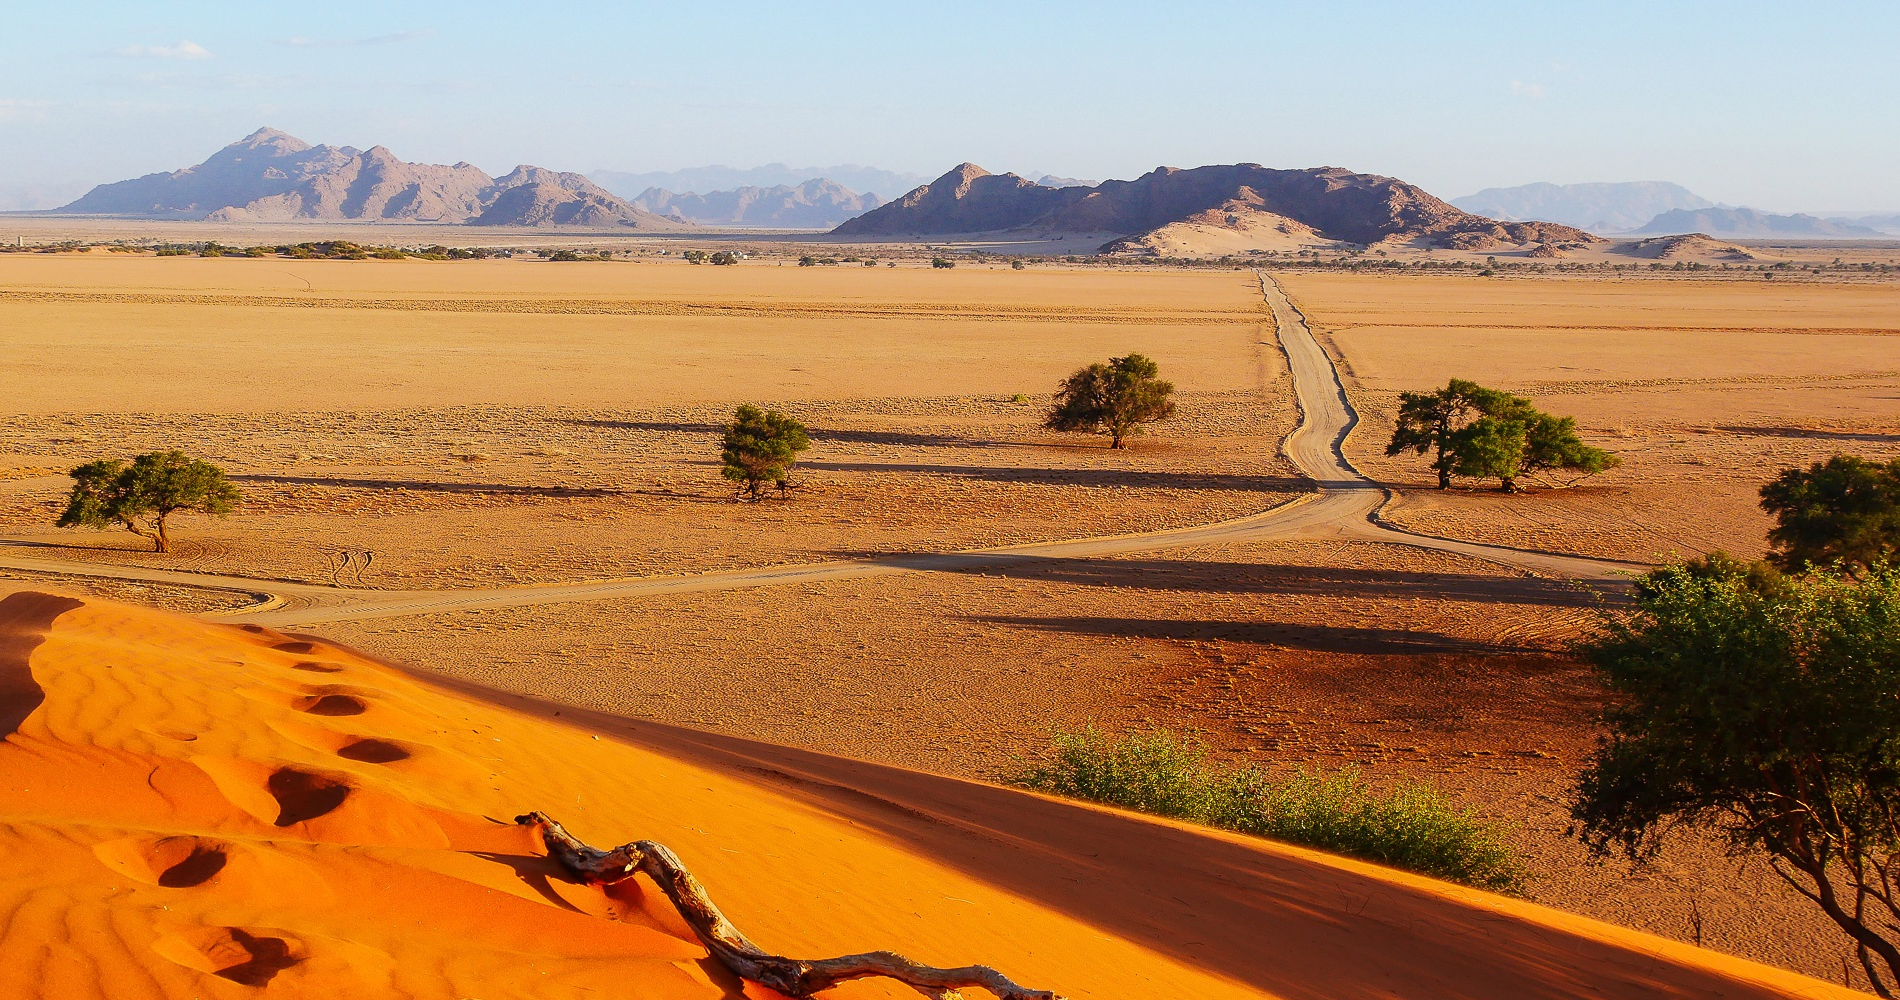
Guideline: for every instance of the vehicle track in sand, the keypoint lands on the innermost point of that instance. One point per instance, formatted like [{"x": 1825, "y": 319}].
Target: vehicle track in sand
[{"x": 1345, "y": 504}]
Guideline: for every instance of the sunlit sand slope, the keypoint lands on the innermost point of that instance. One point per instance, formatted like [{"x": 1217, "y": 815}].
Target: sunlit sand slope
[{"x": 196, "y": 810}]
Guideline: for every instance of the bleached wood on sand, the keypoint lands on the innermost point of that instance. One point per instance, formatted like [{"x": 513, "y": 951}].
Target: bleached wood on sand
[{"x": 790, "y": 976}]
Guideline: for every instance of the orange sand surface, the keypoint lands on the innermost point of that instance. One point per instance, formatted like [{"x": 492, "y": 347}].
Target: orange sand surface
[
  {"x": 109, "y": 333},
  {"x": 198, "y": 810}
]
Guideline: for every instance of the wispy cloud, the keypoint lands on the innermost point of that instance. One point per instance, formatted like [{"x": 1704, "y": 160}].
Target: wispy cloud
[
  {"x": 183, "y": 50},
  {"x": 226, "y": 81},
  {"x": 300, "y": 42},
  {"x": 1530, "y": 90}
]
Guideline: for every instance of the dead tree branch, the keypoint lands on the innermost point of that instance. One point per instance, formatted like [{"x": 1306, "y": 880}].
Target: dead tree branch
[{"x": 790, "y": 976}]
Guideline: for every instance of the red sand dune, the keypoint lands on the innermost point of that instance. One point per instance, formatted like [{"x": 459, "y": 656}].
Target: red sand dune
[{"x": 198, "y": 810}]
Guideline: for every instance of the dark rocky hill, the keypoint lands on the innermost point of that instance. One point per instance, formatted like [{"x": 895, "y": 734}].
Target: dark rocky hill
[
  {"x": 269, "y": 176},
  {"x": 1339, "y": 205}
]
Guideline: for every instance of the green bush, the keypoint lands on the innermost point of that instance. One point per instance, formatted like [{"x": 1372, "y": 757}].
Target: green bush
[
  {"x": 1411, "y": 827},
  {"x": 943, "y": 262}
]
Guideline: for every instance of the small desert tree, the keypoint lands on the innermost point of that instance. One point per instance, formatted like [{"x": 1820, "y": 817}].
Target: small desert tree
[
  {"x": 760, "y": 447},
  {"x": 1427, "y": 421},
  {"x": 153, "y": 488},
  {"x": 1489, "y": 434},
  {"x": 1767, "y": 711},
  {"x": 1114, "y": 399},
  {"x": 1844, "y": 510}
]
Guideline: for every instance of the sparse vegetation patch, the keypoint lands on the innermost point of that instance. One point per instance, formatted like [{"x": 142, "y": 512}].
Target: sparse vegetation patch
[{"x": 1411, "y": 827}]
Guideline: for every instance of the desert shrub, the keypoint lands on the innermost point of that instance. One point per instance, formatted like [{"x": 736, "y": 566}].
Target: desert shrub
[
  {"x": 1017, "y": 264},
  {"x": 564, "y": 255},
  {"x": 388, "y": 253},
  {"x": 725, "y": 257},
  {"x": 1845, "y": 510},
  {"x": 1114, "y": 399},
  {"x": 1769, "y": 715},
  {"x": 943, "y": 262},
  {"x": 1411, "y": 827},
  {"x": 694, "y": 256},
  {"x": 759, "y": 447},
  {"x": 154, "y": 487}
]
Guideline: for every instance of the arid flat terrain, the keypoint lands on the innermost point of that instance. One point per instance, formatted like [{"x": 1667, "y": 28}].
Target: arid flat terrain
[
  {"x": 1704, "y": 388},
  {"x": 501, "y": 424}
]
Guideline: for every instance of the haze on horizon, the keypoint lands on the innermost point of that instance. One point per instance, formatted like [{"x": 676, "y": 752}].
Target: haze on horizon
[{"x": 1767, "y": 105}]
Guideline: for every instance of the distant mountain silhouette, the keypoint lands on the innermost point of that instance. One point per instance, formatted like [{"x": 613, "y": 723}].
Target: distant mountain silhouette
[
  {"x": 869, "y": 180},
  {"x": 1051, "y": 180},
  {"x": 269, "y": 176},
  {"x": 1749, "y": 222},
  {"x": 1327, "y": 203},
  {"x": 815, "y": 204},
  {"x": 1601, "y": 208}
]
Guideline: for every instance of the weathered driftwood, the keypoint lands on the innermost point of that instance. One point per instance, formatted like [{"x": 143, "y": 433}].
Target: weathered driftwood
[{"x": 790, "y": 976}]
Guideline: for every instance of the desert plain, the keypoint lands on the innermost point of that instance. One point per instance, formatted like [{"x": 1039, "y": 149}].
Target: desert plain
[{"x": 946, "y": 586}]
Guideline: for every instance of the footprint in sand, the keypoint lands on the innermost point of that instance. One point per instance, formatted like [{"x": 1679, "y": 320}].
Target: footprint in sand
[
  {"x": 315, "y": 667},
  {"x": 373, "y": 752},
  {"x": 243, "y": 957},
  {"x": 296, "y": 647},
  {"x": 304, "y": 796},
  {"x": 172, "y": 862},
  {"x": 330, "y": 700}
]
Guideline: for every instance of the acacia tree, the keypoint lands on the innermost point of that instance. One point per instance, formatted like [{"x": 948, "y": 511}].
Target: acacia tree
[
  {"x": 1427, "y": 421},
  {"x": 760, "y": 446},
  {"x": 1114, "y": 399},
  {"x": 153, "y": 488},
  {"x": 1844, "y": 510},
  {"x": 1767, "y": 710},
  {"x": 1490, "y": 434}
]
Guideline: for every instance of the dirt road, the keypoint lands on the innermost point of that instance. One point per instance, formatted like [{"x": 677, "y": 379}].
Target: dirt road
[{"x": 1344, "y": 504}]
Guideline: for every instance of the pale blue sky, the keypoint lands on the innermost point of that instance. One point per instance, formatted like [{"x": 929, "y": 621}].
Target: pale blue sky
[{"x": 1785, "y": 106}]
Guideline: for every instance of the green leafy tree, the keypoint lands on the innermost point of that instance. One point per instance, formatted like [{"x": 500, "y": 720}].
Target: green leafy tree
[
  {"x": 1551, "y": 444},
  {"x": 1114, "y": 399},
  {"x": 140, "y": 497},
  {"x": 759, "y": 447},
  {"x": 1490, "y": 448},
  {"x": 1844, "y": 510},
  {"x": 1771, "y": 716},
  {"x": 1490, "y": 434}
]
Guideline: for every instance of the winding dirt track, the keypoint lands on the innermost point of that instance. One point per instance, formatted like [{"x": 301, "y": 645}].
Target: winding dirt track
[{"x": 1345, "y": 504}]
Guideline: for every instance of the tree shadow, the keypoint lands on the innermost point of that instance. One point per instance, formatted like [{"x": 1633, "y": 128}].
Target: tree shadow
[
  {"x": 1125, "y": 478},
  {"x": 1315, "y": 638},
  {"x": 1215, "y": 577},
  {"x": 433, "y": 486},
  {"x": 824, "y": 434},
  {"x": 1806, "y": 432}
]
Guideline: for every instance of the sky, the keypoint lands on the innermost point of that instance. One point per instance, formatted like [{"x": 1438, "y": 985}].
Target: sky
[{"x": 1781, "y": 106}]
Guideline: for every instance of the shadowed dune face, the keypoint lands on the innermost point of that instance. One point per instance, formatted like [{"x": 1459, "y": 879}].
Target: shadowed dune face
[{"x": 24, "y": 620}]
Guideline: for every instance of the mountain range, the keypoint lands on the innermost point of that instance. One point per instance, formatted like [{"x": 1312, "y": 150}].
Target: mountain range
[
  {"x": 269, "y": 176},
  {"x": 1236, "y": 203},
  {"x": 1600, "y": 208},
  {"x": 870, "y": 180},
  {"x": 815, "y": 204},
  {"x": 1749, "y": 222}
]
